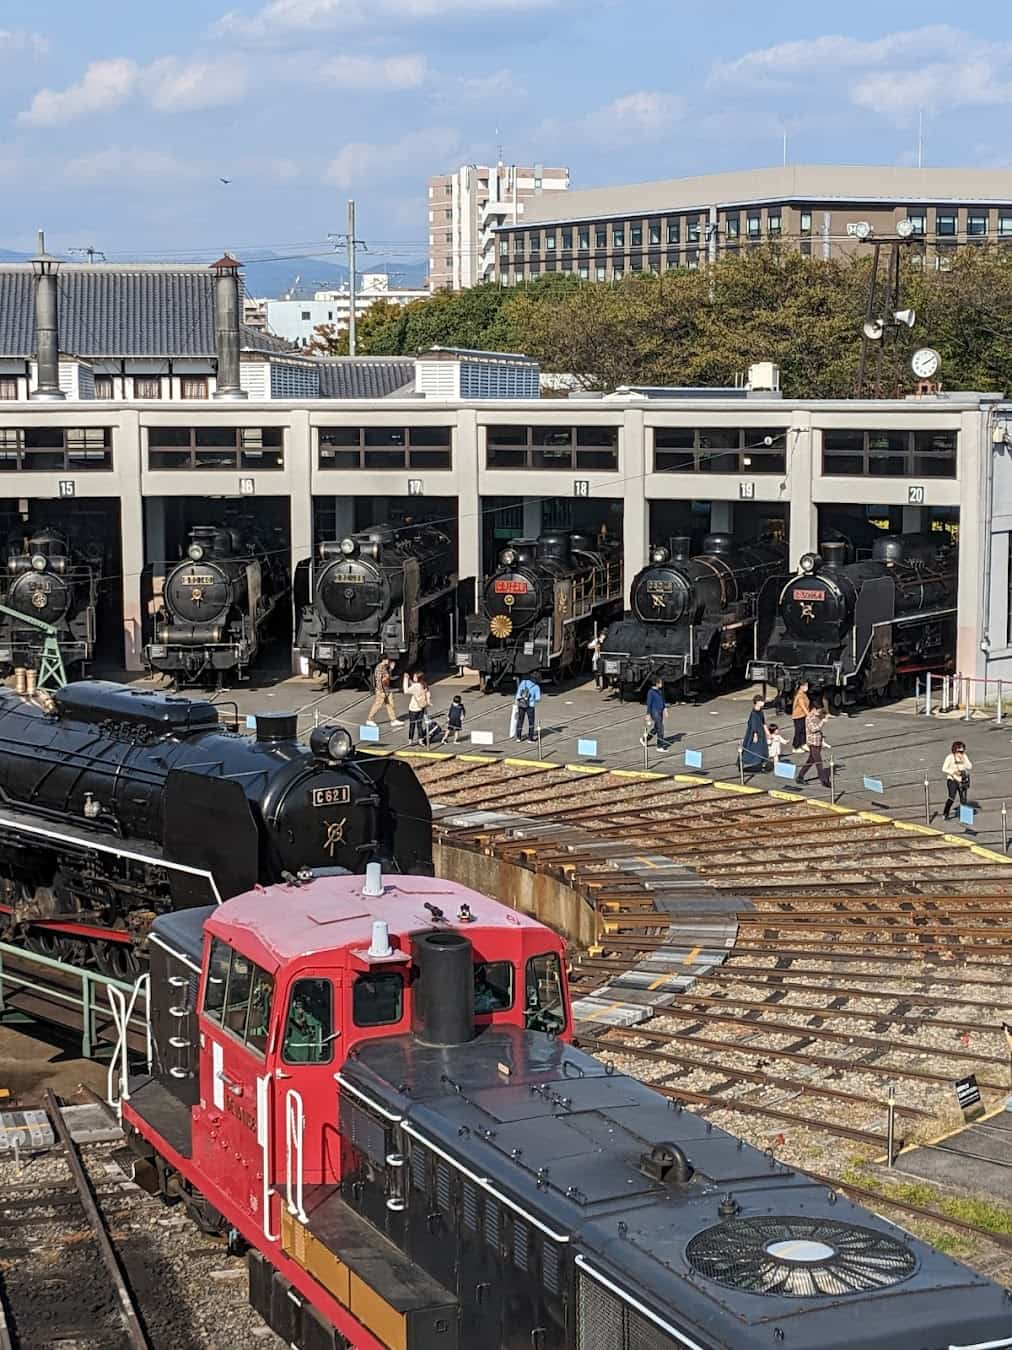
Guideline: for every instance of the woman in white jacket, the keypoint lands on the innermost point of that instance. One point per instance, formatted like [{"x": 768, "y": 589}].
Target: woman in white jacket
[
  {"x": 956, "y": 766},
  {"x": 417, "y": 688}
]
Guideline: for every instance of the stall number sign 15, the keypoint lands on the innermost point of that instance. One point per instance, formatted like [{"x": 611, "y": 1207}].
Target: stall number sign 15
[
  {"x": 915, "y": 494},
  {"x": 66, "y": 487}
]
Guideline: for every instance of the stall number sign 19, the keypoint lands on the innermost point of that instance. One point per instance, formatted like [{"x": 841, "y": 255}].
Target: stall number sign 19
[
  {"x": 746, "y": 490},
  {"x": 915, "y": 494}
]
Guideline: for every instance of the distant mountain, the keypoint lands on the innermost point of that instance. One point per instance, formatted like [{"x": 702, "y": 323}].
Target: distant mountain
[{"x": 7, "y": 256}]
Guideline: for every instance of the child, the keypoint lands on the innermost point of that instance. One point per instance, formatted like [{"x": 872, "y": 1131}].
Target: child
[
  {"x": 455, "y": 717},
  {"x": 777, "y": 744}
]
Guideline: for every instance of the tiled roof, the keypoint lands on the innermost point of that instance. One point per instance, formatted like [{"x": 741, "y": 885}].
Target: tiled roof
[
  {"x": 108, "y": 311},
  {"x": 366, "y": 377}
]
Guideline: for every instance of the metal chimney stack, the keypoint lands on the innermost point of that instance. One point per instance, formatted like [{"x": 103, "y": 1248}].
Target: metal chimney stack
[
  {"x": 226, "y": 327},
  {"x": 47, "y": 326}
]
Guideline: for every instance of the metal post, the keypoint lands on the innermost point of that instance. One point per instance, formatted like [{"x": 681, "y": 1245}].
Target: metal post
[
  {"x": 3, "y": 1008},
  {"x": 997, "y": 704},
  {"x": 741, "y": 767},
  {"x": 891, "y": 1125},
  {"x": 927, "y": 800},
  {"x": 351, "y": 278},
  {"x": 88, "y": 1020},
  {"x": 968, "y": 693},
  {"x": 540, "y": 755},
  {"x": 1004, "y": 847},
  {"x": 832, "y": 779},
  {"x": 927, "y": 695},
  {"x": 917, "y": 695}
]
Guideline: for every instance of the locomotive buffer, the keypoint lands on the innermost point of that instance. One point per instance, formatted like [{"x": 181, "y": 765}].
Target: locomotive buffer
[{"x": 51, "y": 660}]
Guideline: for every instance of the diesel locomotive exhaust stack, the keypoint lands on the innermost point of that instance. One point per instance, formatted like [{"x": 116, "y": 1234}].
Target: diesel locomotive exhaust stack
[
  {"x": 47, "y": 327},
  {"x": 226, "y": 327},
  {"x": 443, "y": 1007}
]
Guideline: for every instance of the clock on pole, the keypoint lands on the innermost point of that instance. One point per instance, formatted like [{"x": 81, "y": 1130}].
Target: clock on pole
[{"x": 924, "y": 362}]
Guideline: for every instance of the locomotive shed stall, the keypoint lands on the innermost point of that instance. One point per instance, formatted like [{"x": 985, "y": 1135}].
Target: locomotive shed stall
[
  {"x": 548, "y": 463},
  {"x": 778, "y": 998}
]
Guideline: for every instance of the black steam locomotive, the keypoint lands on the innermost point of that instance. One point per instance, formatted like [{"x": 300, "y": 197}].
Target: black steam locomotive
[
  {"x": 120, "y": 804},
  {"x": 860, "y": 630},
  {"x": 382, "y": 592},
  {"x": 49, "y": 579},
  {"x": 540, "y": 607},
  {"x": 216, "y": 604},
  {"x": 692, "y": 621}
]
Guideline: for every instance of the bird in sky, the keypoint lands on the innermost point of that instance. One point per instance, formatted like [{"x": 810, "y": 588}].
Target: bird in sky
[{"x": 226, "y": 181}]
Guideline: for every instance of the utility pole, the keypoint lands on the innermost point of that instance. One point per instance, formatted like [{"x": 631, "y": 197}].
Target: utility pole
[{"x": 352, "y": 241}]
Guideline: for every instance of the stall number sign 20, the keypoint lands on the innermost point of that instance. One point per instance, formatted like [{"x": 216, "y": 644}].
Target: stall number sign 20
[{"x": 915, "y": 494}]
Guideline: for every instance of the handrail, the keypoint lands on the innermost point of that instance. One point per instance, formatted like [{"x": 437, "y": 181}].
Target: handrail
[
  {"x": 295, "y": 1124},
  {"x": 264, "y": 1106},
  {"x": 122, "y": 1013}
]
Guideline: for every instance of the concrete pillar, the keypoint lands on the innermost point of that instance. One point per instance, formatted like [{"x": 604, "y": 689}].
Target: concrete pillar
[
  {"x": 915, "y": 519},
  {"x": 722, "y": 517},
  {"x": 972, "y": 584},
  {"x": 299, "y": 476},
  {"x": 468, "y": 477},
  {"x": 154, "y": 529},
  {"x": 532, "y": 517},
  {"x": 127, "y": 458},
  {"x": 803, "y": 447},
  {"x": 344, "y": 516},
  {"x": 635, "y": 506}
]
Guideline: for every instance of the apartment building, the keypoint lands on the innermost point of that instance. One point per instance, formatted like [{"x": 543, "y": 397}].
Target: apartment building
[
  {"x": 467, "y": 206},
  {"x": 297, "y": 320},
  {"x": 824, "y": 211}
]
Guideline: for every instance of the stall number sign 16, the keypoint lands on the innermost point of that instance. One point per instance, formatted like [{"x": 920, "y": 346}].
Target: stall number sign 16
[{"x": 915, "y": 494}]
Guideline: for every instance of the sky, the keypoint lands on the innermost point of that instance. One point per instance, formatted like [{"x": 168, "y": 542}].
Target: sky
[{"x": 119, "y": 119}]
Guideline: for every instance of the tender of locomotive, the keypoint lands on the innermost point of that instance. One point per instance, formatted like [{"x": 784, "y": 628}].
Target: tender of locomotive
[
  {"x": 862, "y": 630},
  {"x": 215, "y": 604},
  {"x": 541, "y": 606},
  {"x": 51, "y": 580},
  {"x": 374, "y": 1088},
  {"x": 382, "y": 592},
  {"x": 692, "y": 622},
  {"x": 120, "y": 804}
]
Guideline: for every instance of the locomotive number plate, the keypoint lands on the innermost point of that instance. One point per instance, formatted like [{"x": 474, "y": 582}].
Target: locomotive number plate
[
  {"x": 660, "y": 587},
  {"x": 194, "y": 580},
  {"x": 809, "y": 595},
  {"x": 350, "y": 578},
  {"x": 510, "y": 587},
  {"x": 329, "y": 796}
]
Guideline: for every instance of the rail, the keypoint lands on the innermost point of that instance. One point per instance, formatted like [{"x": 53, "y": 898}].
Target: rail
[{"x": 85, "y": 993}]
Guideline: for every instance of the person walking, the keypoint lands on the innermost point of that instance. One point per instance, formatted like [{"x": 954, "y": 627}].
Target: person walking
[
  {"x": 383, "y": 696},
  {"x": 777, "y": 744},
  {"x": 654, "y": 728},
  {"x": 755, "y": 748},
  {"x": 528, "y": 696},
  {"x": 800, "y": 709},
  {"x": 814, "y": 724},
  {"x": 417, "y": 689},
  {"x": 455, "y": 718},
  {"x": 956, "y": 766},
  {"x": 594, "y": 646}
]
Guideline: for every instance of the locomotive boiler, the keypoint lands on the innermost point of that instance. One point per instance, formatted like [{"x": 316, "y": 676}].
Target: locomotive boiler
[
  {"x": 119, "y": 804},
  {"x": 49, "y": 579},
  {"x": 386, "y": 1106},
  {"x": 216, "y": 603},
  {"x": 382, "y": 592},
  {"x": 540, "y": 607},
  {"x": 862, "y": 630},
  {"x": 692, "y": 621}
]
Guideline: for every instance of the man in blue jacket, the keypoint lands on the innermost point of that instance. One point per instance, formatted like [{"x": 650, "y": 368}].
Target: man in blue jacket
[
  {"x": 528, "y": 697},
  {"x": 655, "y": 716}
]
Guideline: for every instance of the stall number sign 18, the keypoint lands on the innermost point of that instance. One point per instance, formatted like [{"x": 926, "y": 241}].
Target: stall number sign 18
[{"x": 581, "y": 487}]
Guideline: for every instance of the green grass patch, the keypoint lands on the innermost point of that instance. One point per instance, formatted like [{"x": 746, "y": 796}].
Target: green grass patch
[{"x": 971, "y": 1209}]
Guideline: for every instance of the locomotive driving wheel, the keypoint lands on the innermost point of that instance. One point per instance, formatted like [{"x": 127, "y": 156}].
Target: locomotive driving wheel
[
  {"x": 118, "y": 960},
  {"x": 55, "y": 946}
]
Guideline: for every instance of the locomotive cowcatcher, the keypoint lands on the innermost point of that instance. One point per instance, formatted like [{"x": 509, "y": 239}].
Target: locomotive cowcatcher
[
  {"x": 541, "y": 606},
  {"x": 863, "y": 630},
  {"x": 384, "y": 591},
  {"x": 50, "y": 579},
  {"x": 374, "y": 1088},
  {"x": 692, "y": 621},
  {"x": 216, "y": 604}
]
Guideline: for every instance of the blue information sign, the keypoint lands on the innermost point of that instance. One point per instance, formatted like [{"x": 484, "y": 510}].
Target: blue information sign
[
  {"x": 693, "y": 759},
  {"x": 874, "y": 786},
  {"x": 966, "y": 815},
  {"x": 785, "y": 770},
  {"x": 587, "y": 748},
  {"x": 251, "y": 722},
  {"x": 368, "y": 733}
]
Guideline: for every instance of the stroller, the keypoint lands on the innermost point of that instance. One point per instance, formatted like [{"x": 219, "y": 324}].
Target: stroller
[{"x": 432, "y": 732}]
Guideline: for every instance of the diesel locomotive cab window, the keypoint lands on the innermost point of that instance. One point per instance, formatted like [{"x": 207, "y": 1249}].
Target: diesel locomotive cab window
[
  {"x": 216, "y": 448},
  {"x": 55, "y": 449},
  {"x": 385, "y": 448},
  {"x": 309, "y": 1027},
  {"x": 377, "y": 999},
  {"x": 493, "y": 986},
  {"x": 561, "y": 447},
  {"x": 238, "y": 995},
  {"x": 890, "y": 454},
  {"x": 544, "y": 1004},
  {"x": 737, "y": 450}
]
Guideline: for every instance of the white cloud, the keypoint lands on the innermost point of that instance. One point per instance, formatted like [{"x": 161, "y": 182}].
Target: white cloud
[
  {"x": 895, "y": 75},
  {"x": 364, "y": 72},
  {"x": 290, "y": 18},
  {"x": 178, "y": 86},
  {"x": 17, "y": 41},
  {"x": 640, "y": 117},
  {"x": 414, "y": 155},
  {"x": 120, "y": 165},
  {"x": 104, "y": 87}
]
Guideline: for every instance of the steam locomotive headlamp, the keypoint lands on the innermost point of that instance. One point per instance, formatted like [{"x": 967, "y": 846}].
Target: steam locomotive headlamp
[
  {"x": 38, "y": 562},
  {"x": 508, "y": 557},
  {"x": 347, "y": 547},
  {"x": 195, "y": 552},
  {"x": 659, "y": 555},
  {"x": 809, "y": 562},
  {"x": 332, "y": 743}
]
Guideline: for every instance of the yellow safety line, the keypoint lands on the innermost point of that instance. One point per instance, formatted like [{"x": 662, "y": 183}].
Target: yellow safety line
[
  {"x": 375, "y": 750},
  {"x": 958, "y": 839},
  {"x": 991, "y": 854},
  {"x": 422, "y": 754},
  {"x": 529, "y": 764},
  {"x": 785, "y": 796},
  {"x": 636, "y": 773},
  {"x": 830, "y": 806},
  {"x": 875, "y": 818},
  {"x": 914, "y": 828},
  {"x": 585, "y": 768},
  {"x": 692, "y": 956},
  {"x": 479, "y": 759},
  {"x": 688, "y": 778},
  {"x": 737, "y": 787}
]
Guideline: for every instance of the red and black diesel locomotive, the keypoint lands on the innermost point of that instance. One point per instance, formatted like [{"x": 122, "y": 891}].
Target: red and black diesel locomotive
[{"x": 374, "y": 1088}]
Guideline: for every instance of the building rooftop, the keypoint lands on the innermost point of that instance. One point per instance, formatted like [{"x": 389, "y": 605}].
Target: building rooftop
[
  {"x": 802, "y": 182},
  {"x": 366, "y": 376}
]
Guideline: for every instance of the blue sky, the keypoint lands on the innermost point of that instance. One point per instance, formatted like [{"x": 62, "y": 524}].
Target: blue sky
[{"x": 117, "y": 119}]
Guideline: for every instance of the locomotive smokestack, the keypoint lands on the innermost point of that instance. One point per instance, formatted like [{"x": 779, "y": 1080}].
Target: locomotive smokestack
[
  {"x": 47, "y": 326},
  {"x": 226, "y": 327},
  {"x": 834, "y": 553},
  {"x": 443, "y": 1006},
  {"x": 679, "y": 547}
]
